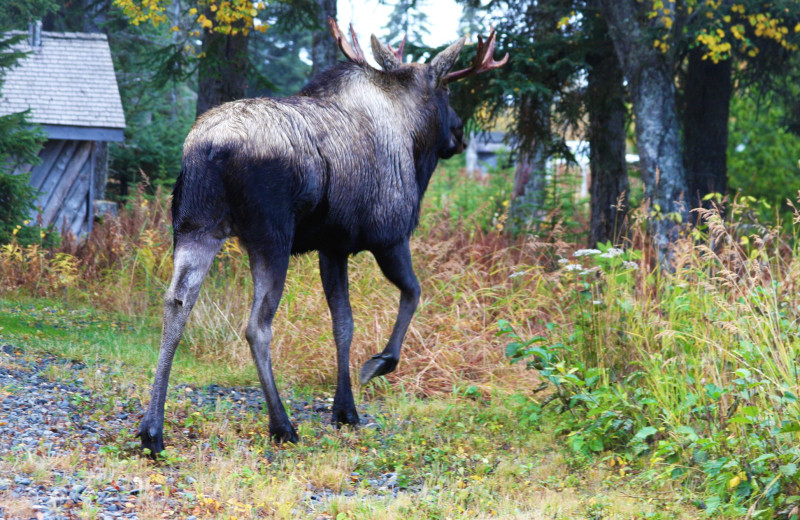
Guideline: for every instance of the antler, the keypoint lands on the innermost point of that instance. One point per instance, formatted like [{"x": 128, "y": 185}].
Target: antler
[
  {"x": 398, "y": 53},
  {"x": 484, "y": 61},
  {"x": 352, "y": 52}
]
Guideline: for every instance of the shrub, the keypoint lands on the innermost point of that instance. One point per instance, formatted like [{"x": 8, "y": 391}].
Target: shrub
[{"x": 691, "y": 374}]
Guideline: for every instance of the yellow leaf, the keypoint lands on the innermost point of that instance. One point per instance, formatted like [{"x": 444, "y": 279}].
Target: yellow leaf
[{"x": 735, "y": 481}]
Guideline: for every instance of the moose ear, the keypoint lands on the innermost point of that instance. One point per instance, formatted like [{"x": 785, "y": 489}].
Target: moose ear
[
  {"x": 445, "y": 60},
  {"x": 385, "y": 57}
]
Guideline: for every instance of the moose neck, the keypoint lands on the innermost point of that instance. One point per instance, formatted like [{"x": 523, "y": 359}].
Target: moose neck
[{"x": 400, "y": 115}]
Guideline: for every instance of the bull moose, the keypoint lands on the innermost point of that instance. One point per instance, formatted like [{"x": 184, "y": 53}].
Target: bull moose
[{"x": 339, "y": 168}]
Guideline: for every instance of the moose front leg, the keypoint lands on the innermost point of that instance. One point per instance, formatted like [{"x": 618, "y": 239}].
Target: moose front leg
[
  {"x": 333, "y": 271},
  {"x": 395, "y": 262}
]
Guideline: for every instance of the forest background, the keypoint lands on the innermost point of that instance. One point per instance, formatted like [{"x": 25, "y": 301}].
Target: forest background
[{"x": 690, "y": 252}]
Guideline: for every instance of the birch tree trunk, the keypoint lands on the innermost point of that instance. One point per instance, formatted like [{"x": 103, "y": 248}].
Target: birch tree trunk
[{"x": 651, "y": 83}]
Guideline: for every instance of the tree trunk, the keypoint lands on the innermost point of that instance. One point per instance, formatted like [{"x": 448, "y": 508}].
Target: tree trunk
[
  {"x": 650, "y": 78},
  {"x": 324, "y": 51},
  {"x": 609, "y": 173},
  {"x": 222, "y": 75},
  {"x": 528, "y": 196},
  {"x": 706, "y": 106}
]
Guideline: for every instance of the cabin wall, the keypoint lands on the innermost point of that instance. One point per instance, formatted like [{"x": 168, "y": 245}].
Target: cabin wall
[{"x": 67, "y": 184}]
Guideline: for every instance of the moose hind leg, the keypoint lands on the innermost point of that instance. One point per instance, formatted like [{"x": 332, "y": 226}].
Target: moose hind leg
[
  {"x": 395, "y": 262},
  {"x": 192, "y": 259},
  {"x": 269, "y": 274},
  {"x": 333, "y": 270}
]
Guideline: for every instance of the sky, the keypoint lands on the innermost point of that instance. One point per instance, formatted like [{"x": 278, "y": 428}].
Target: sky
[{"x": 370, "y": 16}]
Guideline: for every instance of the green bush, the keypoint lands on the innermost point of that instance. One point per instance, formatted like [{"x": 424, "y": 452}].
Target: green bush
[
  {"x": 690, "y": 377},
  {"x": 16, "y": 203},
  {"x": 762, "y": 155}
]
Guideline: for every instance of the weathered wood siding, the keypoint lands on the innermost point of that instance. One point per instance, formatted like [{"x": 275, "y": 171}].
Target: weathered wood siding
[{"x": 65, "y": 179}]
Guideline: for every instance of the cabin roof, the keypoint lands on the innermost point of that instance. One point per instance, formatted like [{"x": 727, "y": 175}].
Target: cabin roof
[{"x": 68, "y": 83}]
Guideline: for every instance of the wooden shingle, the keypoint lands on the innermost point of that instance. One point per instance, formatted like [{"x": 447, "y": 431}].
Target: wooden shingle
[{"x": 68, "y": 81}]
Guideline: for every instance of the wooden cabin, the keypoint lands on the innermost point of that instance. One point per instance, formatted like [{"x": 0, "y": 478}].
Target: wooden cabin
[{"x": 67, "y": 80}]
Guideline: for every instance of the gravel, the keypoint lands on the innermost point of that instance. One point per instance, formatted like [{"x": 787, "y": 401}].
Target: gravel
[{"x": 50, "y": 419}]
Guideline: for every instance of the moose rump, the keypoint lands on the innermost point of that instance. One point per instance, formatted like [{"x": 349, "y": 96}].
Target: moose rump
[
  {"x": 298, "y": 168},
  {"x": 340, "y": 167}
]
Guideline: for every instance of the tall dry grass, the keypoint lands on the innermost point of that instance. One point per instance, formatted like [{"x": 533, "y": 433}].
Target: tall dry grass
[{"x": 469, "y": 279}]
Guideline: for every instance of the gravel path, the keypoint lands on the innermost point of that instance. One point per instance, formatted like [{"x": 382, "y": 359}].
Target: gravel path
[
  {"x": 40, "y": 417},
  {"x": 53, "y": 421}
]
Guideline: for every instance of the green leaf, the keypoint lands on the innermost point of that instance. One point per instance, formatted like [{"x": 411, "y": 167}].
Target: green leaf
[
  {"x": 750, "y": 411},
  {"x": 788, "y": 469},
  {"x": 762, "y": 458},
  {"x": 644, "y": 433},
  {"x": 596, "y": 445},
  {"x": 713, "y": 391},
  {"x": 790, "y": 427},
  {"x": 689, "y": 432},
  {"x": 512, "y": 349}
]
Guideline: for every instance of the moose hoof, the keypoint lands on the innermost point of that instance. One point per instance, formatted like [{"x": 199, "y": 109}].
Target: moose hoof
[
  {"x": 345, "y": 417},
  {"x": 378, "y": 365},
  {"x": 281, "y": 435},
  {"x": 152, "y": 439}
]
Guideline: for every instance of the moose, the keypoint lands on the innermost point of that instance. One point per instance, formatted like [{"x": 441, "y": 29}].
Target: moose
[{"x": 339, "y": 168}]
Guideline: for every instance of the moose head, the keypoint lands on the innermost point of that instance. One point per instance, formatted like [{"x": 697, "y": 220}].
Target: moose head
[{"x": 429, "y": 80}]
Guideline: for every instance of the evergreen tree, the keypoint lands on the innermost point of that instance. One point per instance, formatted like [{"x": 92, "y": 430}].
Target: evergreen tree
[
  {"x": 408, "y": 19},
  {"x": 280, "y": 62},
  {"x": 324, "y": 51},
  {"x": 20, "y": 141}
]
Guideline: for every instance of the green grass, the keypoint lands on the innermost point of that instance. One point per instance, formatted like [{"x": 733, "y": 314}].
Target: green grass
[{"x": 88, "y": 335}]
